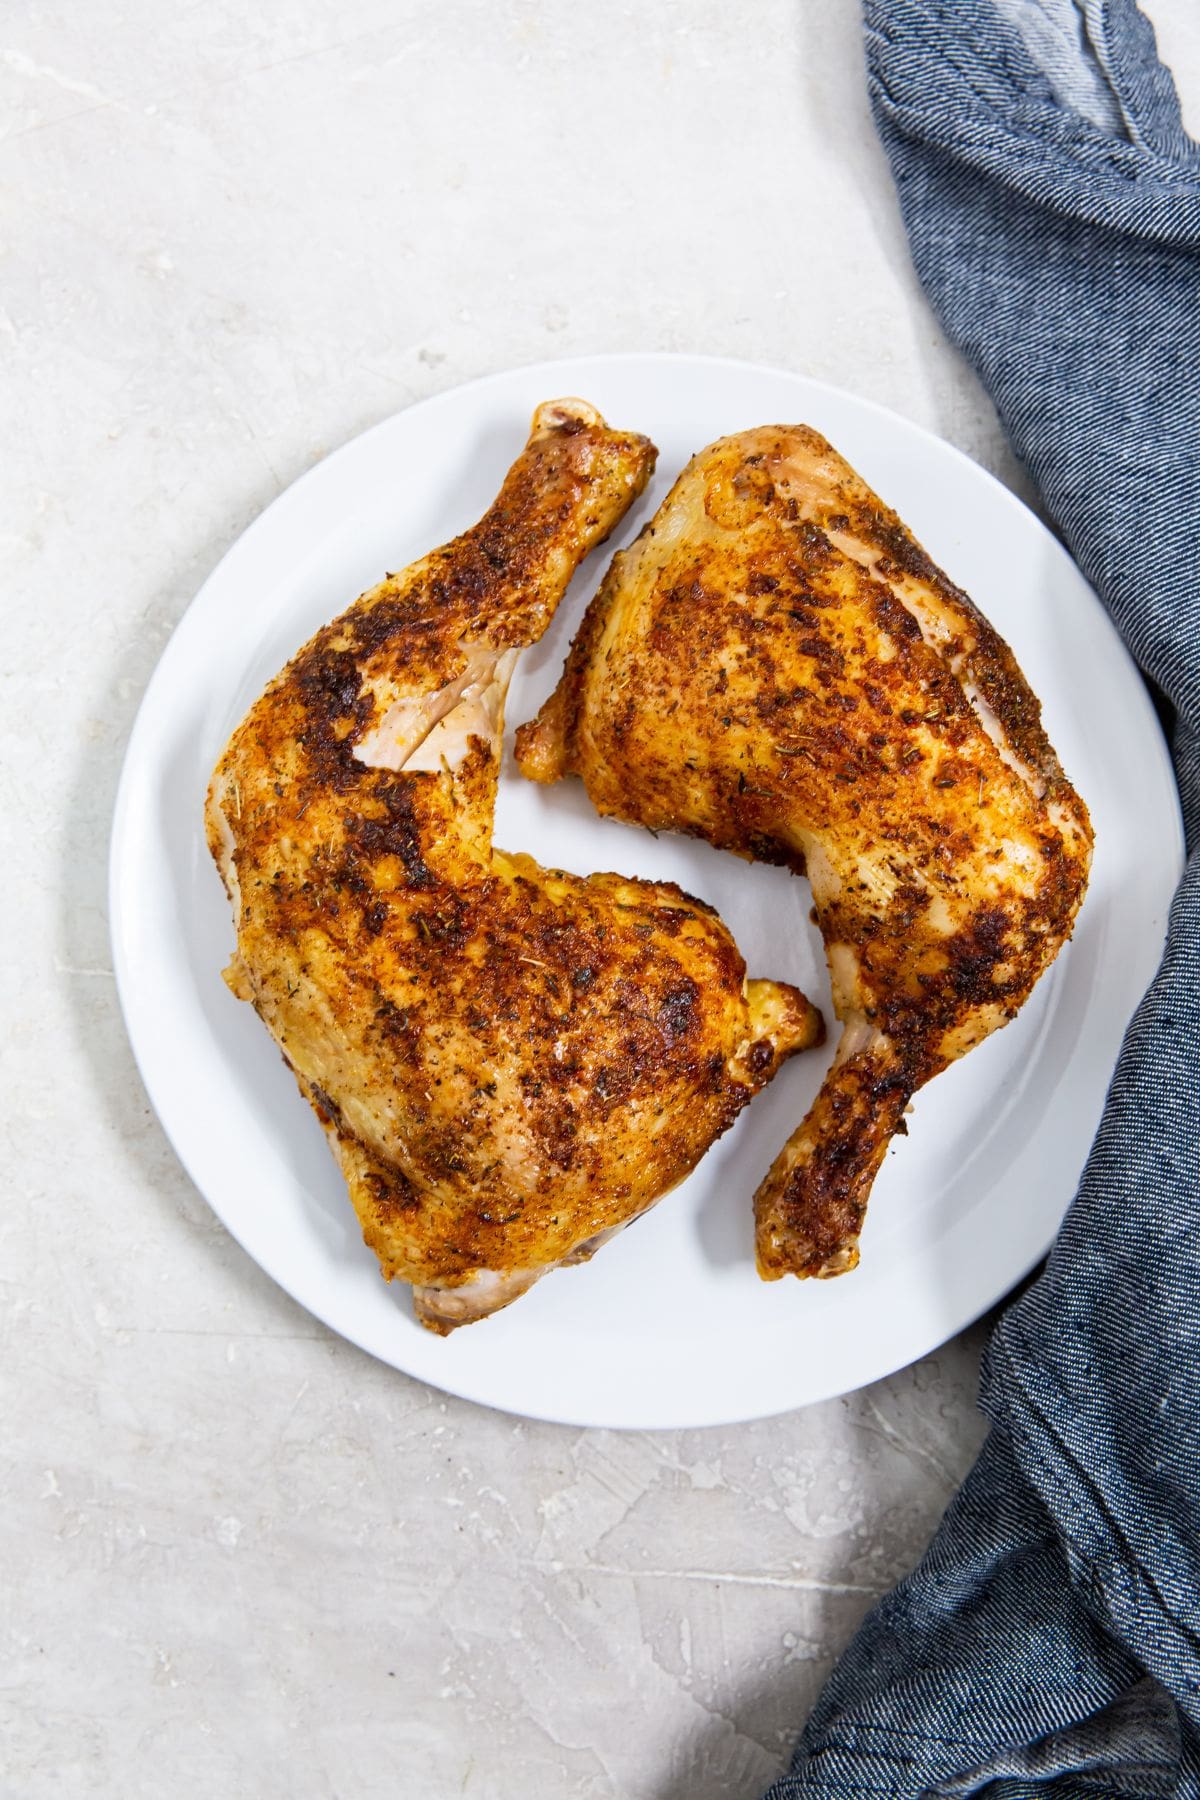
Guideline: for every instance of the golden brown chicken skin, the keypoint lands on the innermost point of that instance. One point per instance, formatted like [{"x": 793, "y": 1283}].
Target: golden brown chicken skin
[
  {"x": 509, "y": 1062},
  {"x": 777, "y": 666}
]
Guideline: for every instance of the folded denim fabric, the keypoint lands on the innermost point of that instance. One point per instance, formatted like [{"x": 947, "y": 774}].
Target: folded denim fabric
[{"x": 1049, "y": 1642}]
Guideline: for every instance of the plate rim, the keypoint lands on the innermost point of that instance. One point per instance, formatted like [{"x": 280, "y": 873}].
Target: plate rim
[{"x": 461, "y": 1383}]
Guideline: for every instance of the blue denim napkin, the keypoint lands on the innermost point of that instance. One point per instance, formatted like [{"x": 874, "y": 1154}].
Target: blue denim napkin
[{"x": 1049, "y": 1643}]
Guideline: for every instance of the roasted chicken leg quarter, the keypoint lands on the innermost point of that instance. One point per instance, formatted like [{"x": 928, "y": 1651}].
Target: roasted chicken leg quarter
[
  {"x": 509, "y": 1062},
  {"x": 777, "y": 666}
]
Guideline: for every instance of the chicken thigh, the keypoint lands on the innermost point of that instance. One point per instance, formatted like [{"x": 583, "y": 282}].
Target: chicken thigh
[
  {"x": 509, "y": 1062},
  {"x": 777, "y": 666}
]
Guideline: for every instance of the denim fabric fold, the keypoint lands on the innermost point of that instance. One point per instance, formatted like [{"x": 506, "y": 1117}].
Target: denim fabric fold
[{"x": 1049, "y": 1642}]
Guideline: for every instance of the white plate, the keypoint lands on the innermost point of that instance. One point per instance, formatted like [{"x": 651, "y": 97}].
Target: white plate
[{"x": 670, "y": 1324}]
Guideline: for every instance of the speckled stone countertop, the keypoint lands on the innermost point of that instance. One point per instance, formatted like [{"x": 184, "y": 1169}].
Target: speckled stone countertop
[{"x": 237, "y": 1557}]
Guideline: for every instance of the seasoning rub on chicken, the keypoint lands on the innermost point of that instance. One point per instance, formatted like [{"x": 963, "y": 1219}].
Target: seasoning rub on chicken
[
  {"x": 777, "y": 666},
  {"x": 510, "y": 1062}
]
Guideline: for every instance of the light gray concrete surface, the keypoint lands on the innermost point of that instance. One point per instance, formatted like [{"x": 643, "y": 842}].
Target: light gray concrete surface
[{"x": 236, "y": 1556}]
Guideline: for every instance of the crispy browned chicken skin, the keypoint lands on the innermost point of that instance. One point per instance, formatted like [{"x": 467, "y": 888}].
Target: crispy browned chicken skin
[
  {"x": 509, "y": 1062},
  {"x": 777, "y": 666}
]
